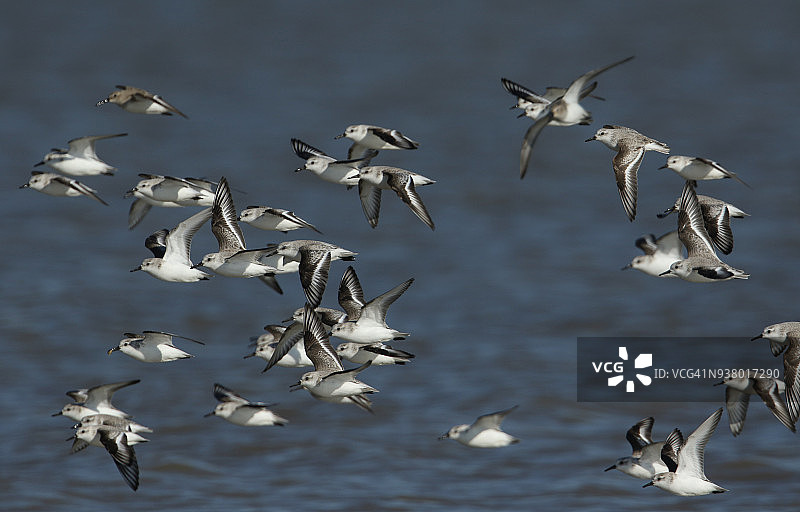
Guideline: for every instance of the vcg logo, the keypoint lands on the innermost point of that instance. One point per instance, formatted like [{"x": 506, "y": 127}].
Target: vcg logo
[{"x": 618, "y": 367}]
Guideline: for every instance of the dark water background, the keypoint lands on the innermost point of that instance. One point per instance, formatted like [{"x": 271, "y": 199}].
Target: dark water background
[{"x": 513, "y": 274}]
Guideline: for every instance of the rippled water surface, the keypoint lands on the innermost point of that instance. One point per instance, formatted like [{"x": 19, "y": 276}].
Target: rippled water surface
[{"x": 514, "y": 273}]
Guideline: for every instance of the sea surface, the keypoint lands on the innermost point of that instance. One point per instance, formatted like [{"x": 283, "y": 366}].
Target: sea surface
[{"x": 515, "y": 272}]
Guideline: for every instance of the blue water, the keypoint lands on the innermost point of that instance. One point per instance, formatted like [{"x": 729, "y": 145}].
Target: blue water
[{"x": 513, "y": 274}]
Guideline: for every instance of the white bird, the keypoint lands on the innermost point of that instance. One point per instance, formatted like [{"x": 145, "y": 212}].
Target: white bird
[
  {"x": 645, "y": 461},
  {"x": 54, "y": 184},
  {"x": 737, "y": 397},
  {"x": 233, "y": 259},
  {"x": 341, "y": 172},
  {"x": 167, "y": 192},
  {"x": 117, "y": 442},
  {"x": 240, "y": 411},
  {"x": 273, "y": 219},
  {"x": 485, "y": 432},
  {"x": 717, "y": 215},
  {"x": 80, "y": 159},
  {"x": 630, "y": 146},
  {"x": 659, "y": 254},
  {"x": 687, "y": 477},
  {"x": 785, "y": 337},
  {"x": 94, "y": 400},
  {"x": 329, "y": 381},
  {"x": 152, "y": 347},
  {"x": 367, "y": 137},
  {"x": 290, "y": 249},
  {"x": 373, "y": 179},
  {"x": 125, "y": 424},
  {"x": 701, "y": 264},
  {"x": 366, "y": 323},
  {"x": 292, "y": 336},
  {"x": 139, "y": 101},
  {"x": 377, "y": 354},
  {"x": 535, "y": 105},
  {"x": 696, "y": 168},
  {"x": 565, "y": 110},
  {"x": 171, "y": 251},
  {"x": 779, "y": 335}
]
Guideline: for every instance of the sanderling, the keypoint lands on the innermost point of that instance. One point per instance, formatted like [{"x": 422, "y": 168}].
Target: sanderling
[
  {"x": 779, "y": 335},
  {"x": 717, "y": 215},
  {"x": 294, "y": 334},
  {"x": 94, "y": 400},
  {"x": 233, "y": 259},
  {"x": 737, "y": 397},
  {"x": 484, "y": 432},
  {"x": 291, "y": 250},
  {"x": 342, "y": 172},
  {"x": 295, "y": 358},
  {"x": 565, "y": 110},
  {"x": 329, "y": 380},
  {"x": 168, "y": 192},
  {"x": 314, "y": 267},
  {"x": 687, "y": 477},
  {"x": 645, "y": 461},
  {"x": 535, "y": 105},
  {"x": 273, "y": 219},
  {"x": 273, "y": 334},
  {"x": 376, "y": 353},
  {"x": 152, "y": 346},
  {"x": 695, "y": 168},
  {"x": 117, "y": 442},
  {"x": 369, "y": 325},
  {"x": 240, "y": 411},
  {"x": 701, "y": 264},
  {"x": 80, "y": 159},
  {"x": 785, "y": 337},
  {"x": 630, "y": 146},
  {"x": 659, "y": 254},
  {"x": 366, "y": 137},
  {"x": 171, "y": 260},
  {"x": 125, "y": 424},
  {"x": 376, "y": 178},
  {"x": 54, "y": 184},
  {"x": 140, "y": 101}
]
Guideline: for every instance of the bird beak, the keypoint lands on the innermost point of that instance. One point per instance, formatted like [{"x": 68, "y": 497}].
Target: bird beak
[
  {"x": 648, "y": 484},
  {"x": 626, "y": 267},
  {"x": 757, "y": 337},
  {"x": 70, "y": 438},
  {"x": 665, "y": 273},
  {"x": 521, "y": 115},
  {"x": 590, "y": 139},
  {"x": 444, "y": 436},
  {"x": 59, "y": 413},
  {"x": 338, "y": 137},
  {"x": 137, "y": 268},
  {"x": 197, "y": 265},
  {"x": 300, "y": 169},
  {"x": 296, "y": 386},
  {"x": 25, "y": 185},
  {"x": 209, "y": 414},
  {"x": 609, "y": 468},
  {"x": 40, "y": 163},
  {"x": 663, "y": 166},
  {"x": 720, "y": 383},
  {"x": 128, "y": 193},
  {"x": 112, "y": 350},
  {"x": 249, "y": 355}
]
